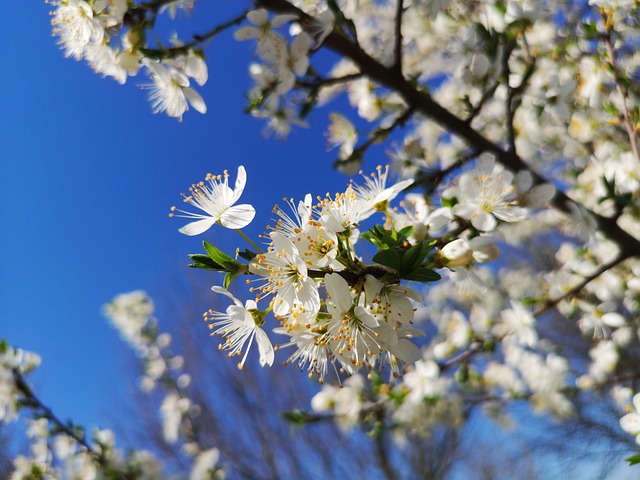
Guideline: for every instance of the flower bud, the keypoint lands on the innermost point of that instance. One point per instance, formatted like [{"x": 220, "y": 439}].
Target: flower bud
[{"x": 456, "y": 253}]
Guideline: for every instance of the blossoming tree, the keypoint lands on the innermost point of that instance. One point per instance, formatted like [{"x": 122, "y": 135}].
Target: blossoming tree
[{"x": 501, "y": 266}]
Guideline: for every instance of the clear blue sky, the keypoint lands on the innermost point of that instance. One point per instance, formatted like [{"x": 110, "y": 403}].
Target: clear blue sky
[{"x": 88, "y": 175}]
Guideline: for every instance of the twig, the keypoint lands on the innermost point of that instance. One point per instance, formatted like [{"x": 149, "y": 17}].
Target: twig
[
  {"x": 397, "y": 57},
  {"x": 357, "y": 153},
  {"x": 631, "y": 131},
  {"x": 34, "y": 402},
  {"x": 548, "y": 304}
]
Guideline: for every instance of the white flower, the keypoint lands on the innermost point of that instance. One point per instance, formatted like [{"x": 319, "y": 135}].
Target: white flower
[
  {"x": 456, "y": 253},
  {"x": 485, "y": 193},
  {"x": 239, "y": 326},
  {"x": 103, "y": 60},
  {"x": 75, "y": 23},
  {"x": 172, "y": 410},
  {"x": 630, "y": 423},
  {"x": 129, "y": 313},
  {"x": 392, "y": 302},
  {"x": 355, "y": 334},
  {"x": 272, "y": 47},
  {"x": 424, "y": 381},
  {"x": 517, "y": 324},
  {"x": 170, "y": 91},
  {"x": 316, "y": 244},
  {"x": 375, "y": 195},
  {"x": 204, "y": 464},
  {"x": 345, "y": 401},
  {"x": 217, "y": 200},
  {"x": 418, "y": 214},
  {"x": 287, "y": 278},
  {"x": 311, "y": 341}
]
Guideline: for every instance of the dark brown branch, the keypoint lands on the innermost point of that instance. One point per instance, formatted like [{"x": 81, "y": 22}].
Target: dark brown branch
[
  {"x": 397, "y": 53},
  {"x": 325, "y": 82}
]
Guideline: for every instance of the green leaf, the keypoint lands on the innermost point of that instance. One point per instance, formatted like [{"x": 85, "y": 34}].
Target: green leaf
[
  {"x": 422, "y": 275},
  {"x": 389, "y": 258},
  {"x": 247, "y": 254},
  {"x": 204, "y": 262},
  {"x": 414, "y": 257},
  {"x": 633, "y": 460},
  {"x": 405, "y": 232},
  {"x": 228, "y": 278},
  {"x": 221, "y": 258}
]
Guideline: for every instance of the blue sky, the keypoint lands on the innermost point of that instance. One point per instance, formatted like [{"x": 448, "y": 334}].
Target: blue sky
[{"x": 88, "y": 175}]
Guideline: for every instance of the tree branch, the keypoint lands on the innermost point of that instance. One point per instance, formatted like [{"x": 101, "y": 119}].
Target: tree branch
[{"x": 397, "y": 54}]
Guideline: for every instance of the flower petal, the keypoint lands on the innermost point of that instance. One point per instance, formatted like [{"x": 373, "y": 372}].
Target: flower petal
[
  {"x": 265, "y": 348},
  {"x": 195, "y": 100},
  {"x": 238, "y": 216},
  {"x": 198, "y": 227},
  {"x": 241, "y": 181}
]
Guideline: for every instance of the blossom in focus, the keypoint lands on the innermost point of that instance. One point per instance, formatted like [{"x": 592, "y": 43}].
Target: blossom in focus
[
  {"x": 239, "y": 326},
  {"x": 375, "y": 195},
  {"x": 287, "y": 277},
  {"x": 217, "y": 200}
]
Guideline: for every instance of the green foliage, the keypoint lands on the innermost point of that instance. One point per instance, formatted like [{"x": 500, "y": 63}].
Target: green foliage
[
  {"x": 215, "y": 259},
  {"x": 634, "y": 460},
  {"x": 410, "y": 263}
]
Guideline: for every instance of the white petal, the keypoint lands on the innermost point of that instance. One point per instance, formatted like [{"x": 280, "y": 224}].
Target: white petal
[
  {"x": 484, "y": 221},
  {"x": 539, "y": 195},
  {"x": 245, "y": 33},
  {"x": 198, "y": 227},
  {"x": 613, "y": 319},
  {"x": 265, "y": 348},
  {"x": 195, "y": 99},
  {"x": 338, "y": 289},
  {"x": 406, "y": 351},
  {"x": 630, "y": 423},
  {"x": 258, "y": 17},
  {"x": 238, "y": 216},
  {"x": 241, "y": 180}
]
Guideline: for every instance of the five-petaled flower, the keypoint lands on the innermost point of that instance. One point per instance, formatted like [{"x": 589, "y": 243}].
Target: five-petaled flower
[{"x": 217, "y": 200}]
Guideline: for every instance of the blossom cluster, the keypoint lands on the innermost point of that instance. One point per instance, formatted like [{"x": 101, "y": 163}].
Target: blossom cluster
[
  {"x": 339, "y": 313},
  {"x": 492, "y": 109},
  {"x": 93, "y": 30}
]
